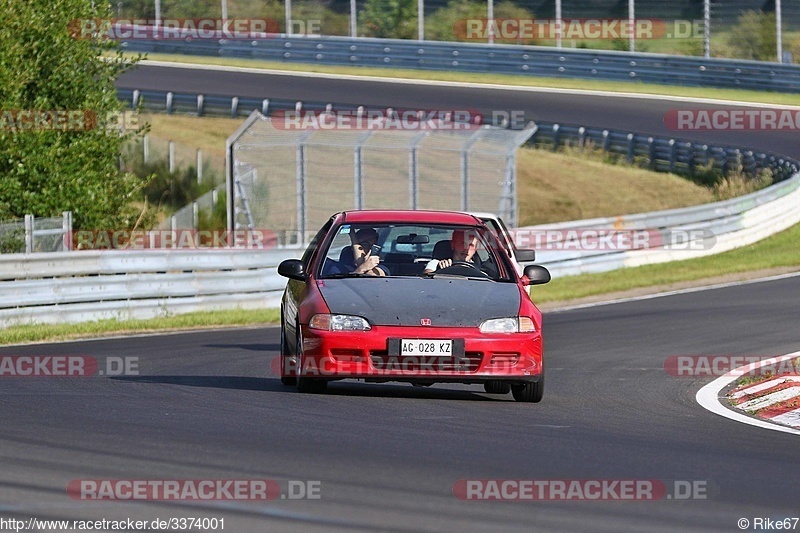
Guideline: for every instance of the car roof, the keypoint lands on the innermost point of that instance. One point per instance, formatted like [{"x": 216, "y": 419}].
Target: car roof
[{"x": 416, "y": 216}]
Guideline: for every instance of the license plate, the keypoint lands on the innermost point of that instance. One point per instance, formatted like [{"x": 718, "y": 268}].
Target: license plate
[{"x": 430, "y": 347}]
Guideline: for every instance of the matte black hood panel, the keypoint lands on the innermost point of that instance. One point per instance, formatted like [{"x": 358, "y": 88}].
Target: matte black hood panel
[{"x": 403, "y": 302}]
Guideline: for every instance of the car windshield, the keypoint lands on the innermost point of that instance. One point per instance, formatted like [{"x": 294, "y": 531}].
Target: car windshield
[{"x": 429, "y": 250}]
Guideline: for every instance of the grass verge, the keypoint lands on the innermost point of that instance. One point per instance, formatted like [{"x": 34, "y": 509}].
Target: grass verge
[
  {"x": 53, "y": 332},
  {"x": 496, "y": 79}
]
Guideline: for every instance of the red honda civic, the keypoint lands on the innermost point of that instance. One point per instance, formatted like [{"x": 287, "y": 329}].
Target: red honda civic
[{"x": 412, "y": 296}]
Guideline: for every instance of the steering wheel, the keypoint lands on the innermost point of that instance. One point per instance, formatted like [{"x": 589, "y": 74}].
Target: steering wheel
[
  {"x": 463, "y": 268},
  {"x": 464, "y": 264}
]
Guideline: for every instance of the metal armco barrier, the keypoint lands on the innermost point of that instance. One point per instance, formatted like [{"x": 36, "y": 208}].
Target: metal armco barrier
[
  {"x": 731, "y": 223},
  {"x": 83, "y": 286},
  {"x": 497, "y": 58}
]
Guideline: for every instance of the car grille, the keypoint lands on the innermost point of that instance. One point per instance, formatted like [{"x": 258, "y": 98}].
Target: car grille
[{"x": 469, "y": 362}]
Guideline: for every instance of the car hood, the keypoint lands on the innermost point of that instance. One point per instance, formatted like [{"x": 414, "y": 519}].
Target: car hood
[{"x": 404, "y": 302}]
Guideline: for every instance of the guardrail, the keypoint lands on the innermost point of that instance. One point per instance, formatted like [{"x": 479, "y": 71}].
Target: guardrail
[
  {"x": 705, "y": 230},
  {"x": 496, "y": 58},
  {"x": 96, "y": 285},
  {"x": 672, "y": 154}
]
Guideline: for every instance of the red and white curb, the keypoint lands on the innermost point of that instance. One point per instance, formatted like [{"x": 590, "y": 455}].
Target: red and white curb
[{"x": 771, "y": 403}]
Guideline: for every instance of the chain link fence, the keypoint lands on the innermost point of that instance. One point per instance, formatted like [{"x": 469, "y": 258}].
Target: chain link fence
[
  {"x": 31, "y": 234},
  {"x": 290, "y": 181},
  {"x": 444, "y": 20}
]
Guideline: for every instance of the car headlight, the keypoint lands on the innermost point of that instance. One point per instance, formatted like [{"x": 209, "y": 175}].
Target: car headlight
[
  {"x": 339, "y": 323},
  {"x": 517, "y": 324}
]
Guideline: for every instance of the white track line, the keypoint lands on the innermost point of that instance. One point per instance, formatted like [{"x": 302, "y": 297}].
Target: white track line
[
  {"x": 708, "y": 396},
  {"x": 438, "y": 83}
]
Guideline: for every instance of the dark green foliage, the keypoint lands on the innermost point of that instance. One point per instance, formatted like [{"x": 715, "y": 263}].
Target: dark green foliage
[{"x": 44, "y": 171}]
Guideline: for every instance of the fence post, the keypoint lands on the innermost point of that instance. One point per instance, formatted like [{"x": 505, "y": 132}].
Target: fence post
[
  {"x": 195, "y": 215},
  {"x": 582, "y": 137},
  {"x": 556, "y": 129},
  {"x": 172, "y": 156},
  {"x": 29, "y": 224},
  {"x": 265, "y": 106},
  {"x": 672, "y": 152},
  {"x": 169, "y": 103},
  {"x": 631, "y": 146},
  {"x": 606, "y": 141},
  {"x": 200, "y": 101},
  {"x": 651, "y": 152},
  {"x": 146, "y": 147},
  {"x": 199, "y": 165},
  {"x": 66, "y": 227},
  {"x": 214, "y": 199},
  {"x": 234, "y": 107},
  {"x": 413, "y": 171}
]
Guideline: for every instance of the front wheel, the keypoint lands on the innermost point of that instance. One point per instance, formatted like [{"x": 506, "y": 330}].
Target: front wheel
[
  {"x": 529, "y": 392},
  {"x": 286, "y": 380}
]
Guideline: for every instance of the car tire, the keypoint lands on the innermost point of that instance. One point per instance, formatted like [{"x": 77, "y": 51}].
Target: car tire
[
  {"x": 286, "y": 380},
  {"x": 529, "y": 392},
  {"x": 307, "y": 385},
  {"x": 497, "y": 387}
]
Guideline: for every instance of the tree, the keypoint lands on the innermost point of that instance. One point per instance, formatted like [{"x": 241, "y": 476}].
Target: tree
[
  {"x": 395, "y": 19},
  {"x": 48, "y": 70},
  {"x": 754, "y": 36}
]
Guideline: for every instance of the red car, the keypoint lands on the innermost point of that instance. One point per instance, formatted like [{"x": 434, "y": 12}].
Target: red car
[{"x": 413, "y": 296}]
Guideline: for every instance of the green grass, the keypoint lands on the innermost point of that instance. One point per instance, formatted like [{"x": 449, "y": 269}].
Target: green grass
[
  {"x": 51, "y": 332},
  {"x": 779, "y": 250},
  {"x": 522, "y": 81}
]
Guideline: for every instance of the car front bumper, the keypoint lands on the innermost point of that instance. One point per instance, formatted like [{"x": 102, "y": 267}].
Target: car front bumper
[{"x": 372, "y": 356}]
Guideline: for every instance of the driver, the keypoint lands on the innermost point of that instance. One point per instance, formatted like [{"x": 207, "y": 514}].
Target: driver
[
  {"x": 464, "y": 245},
  {"x": 359, "y": 258}
]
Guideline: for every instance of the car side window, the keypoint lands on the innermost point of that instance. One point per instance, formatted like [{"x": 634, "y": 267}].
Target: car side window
[{"x": 313, "y": 246}]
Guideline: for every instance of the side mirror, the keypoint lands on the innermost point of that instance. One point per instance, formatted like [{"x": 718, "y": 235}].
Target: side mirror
[
  {"x": 293, "y": 269},
  {"x": 536, "y": 274},
  {"x": 525, "y": 256}
]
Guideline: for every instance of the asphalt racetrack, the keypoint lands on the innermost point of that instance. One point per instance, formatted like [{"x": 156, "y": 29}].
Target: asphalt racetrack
[
  {"x": 623, "y": 112},
  {"x": 386, "y": 457}
]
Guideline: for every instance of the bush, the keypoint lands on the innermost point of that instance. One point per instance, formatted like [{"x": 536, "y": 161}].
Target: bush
[{"x": 754, "y": 36}]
